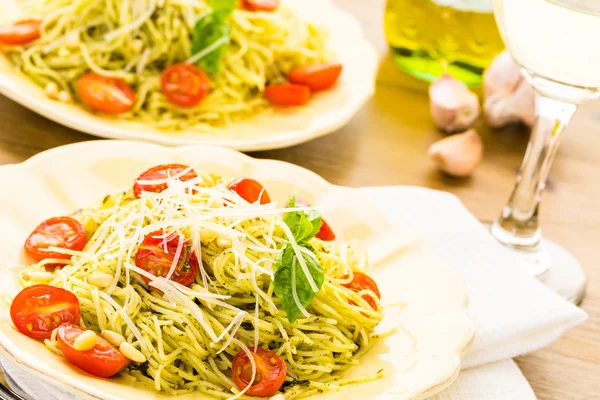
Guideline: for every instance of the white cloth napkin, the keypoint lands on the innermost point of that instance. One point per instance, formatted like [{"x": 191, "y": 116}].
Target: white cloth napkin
[{"x": 513, "y": 313}]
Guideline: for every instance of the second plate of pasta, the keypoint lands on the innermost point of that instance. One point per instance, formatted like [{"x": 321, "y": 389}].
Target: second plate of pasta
[{"x": 175, "y": 72}]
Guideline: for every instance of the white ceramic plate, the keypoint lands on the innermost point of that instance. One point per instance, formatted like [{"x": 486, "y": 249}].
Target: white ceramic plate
[
  {"x": 422, "y": 358},
  {"x": 326, "y": 112}
]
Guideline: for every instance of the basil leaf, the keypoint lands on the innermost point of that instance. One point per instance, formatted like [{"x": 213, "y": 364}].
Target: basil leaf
[
  {"x": 224, "y": 7},
  {"x": 303, "y": 224},
  {"x": 314, "y": 217},
  {"x": 211, "y": 29},
  {"x": 289, "y": 273}
]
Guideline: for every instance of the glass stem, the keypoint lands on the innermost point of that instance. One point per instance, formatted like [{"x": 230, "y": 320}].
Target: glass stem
[{"x": 518, "y": 225}]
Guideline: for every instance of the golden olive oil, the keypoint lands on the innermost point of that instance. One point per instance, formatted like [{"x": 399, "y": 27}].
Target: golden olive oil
[{"x": 430, "y": 37}]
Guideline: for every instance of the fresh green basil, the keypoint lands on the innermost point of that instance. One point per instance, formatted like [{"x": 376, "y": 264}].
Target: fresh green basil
[
  {"x": 212, "y": 34},
  {"x": 304, "y": 225}
]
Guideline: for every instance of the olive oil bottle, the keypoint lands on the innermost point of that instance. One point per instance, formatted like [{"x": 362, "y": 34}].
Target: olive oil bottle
[{"x": 430, "y": 37}]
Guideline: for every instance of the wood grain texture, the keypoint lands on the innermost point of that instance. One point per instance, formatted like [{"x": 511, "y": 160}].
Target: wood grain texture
[{"x": 385, "y": 144}]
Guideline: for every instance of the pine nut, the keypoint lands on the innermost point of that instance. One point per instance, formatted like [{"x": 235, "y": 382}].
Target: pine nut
[
  {"x": 100, "y": 279},
  {"x": 72, "y": 39},
  {"x": 51, "y": 90},
  {"x": 132, "y": 353},
  {"x": 64, "y": 96},
  {"x": 85, "y": 341},
  {"x": 63, "y": 52},
  {"x": 38, "y": 276},
  {"x": 278, "y": 396},
  {"x": 224, "y": 242},
  {"x": 113, "y": 337},
  {"x": 137, "y": 45}
]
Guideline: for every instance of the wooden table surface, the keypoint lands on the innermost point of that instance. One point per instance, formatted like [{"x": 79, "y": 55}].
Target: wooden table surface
[{"x": 386, "y": 143}]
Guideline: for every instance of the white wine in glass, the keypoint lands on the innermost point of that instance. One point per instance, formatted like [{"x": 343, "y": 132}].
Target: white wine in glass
[{"x": 554, "y": 42}]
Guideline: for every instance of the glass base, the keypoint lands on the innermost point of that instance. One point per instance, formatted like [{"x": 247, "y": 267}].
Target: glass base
[
  {"x": 421, "y": 65},
  {"x": 565, "y": 276},
  {"x": 536, "y": 260},
  {"x": 554, "y": 266}
]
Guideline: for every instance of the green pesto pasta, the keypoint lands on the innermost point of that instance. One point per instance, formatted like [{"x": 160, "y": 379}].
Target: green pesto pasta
[
  {"x": 189, "y": 335},
  {"x": 137, "y": 39}
]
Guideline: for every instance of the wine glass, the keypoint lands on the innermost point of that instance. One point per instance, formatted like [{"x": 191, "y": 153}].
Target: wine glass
[{"x": 552, "y": 41}]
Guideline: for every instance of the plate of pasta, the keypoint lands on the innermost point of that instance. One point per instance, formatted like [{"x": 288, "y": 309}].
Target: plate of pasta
[
  {"x": 137, "y": 271},
  {"x": 243, "y": 74}
]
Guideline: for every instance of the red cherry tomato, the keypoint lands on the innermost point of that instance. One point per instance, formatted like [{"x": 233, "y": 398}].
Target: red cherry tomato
[
  {"x": 364, "y": 282},
  {"x": 325, "y": 233},
  {"x": 184, "y": 84},
  {"x": 270, "y": 372},
  {"x": 20, "y": 32},
  {"x": 152, "y": 257},
  {"x": 105, "y": 94},
  {"x": 250, "y": 190},
  {"x": 316, "y": 77},
  {"x": 161, "y": 172},
  {"x": 102, "y": 360},
  {"x": 63, "y": 232},
  {"x": 37, "y": 310},
  {"x": 260, "y": 5},
  {"x": 288, "y": 94}
]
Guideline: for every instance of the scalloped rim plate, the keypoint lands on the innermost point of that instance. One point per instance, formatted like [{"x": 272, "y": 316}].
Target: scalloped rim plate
[
  {"x": 282, "y": 127},
  {"x": 420, "y": 359}
]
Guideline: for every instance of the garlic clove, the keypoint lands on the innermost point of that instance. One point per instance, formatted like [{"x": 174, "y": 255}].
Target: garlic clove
[
  {"x": 502, "y": 76},
  {"x": 504, "y": 108},
  {"x": 224, "y": 242},
  {"x": 509, "y": 97},
  {"x": 453, "y": 106},
  {"x": 459, "y": 154}
]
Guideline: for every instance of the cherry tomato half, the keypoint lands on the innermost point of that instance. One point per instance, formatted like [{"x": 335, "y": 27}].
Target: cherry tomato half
[
  {"x": 270, "y": 372},
  {"x": 250, "y": 190},
  {"x": 364, "y": 282},
  {"x": 37, "y": 310},
  {"x": 288, "y": 94},
  {"x": 260, "y": 5},
  {"x": 325, "y": 233},
  {"x": 102, "y": 360},
  {"x": 316, "y": 77},
  {"x": 152, "y": 257},
  {"x": 20, "y": 32},
  {"x": 105, "y": 94},
  {"x": 161, "y": 172},
  {"x": 63, "y": 232},
  {"x": 184, "y": 84}
]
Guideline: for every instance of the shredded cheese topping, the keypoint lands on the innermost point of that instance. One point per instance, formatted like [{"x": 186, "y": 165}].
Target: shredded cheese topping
[{"x": 189, "y": 335}]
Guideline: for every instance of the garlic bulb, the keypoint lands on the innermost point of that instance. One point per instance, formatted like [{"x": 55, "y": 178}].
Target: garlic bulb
[
  {"x": 459, "y": 154},
  {"x": 509, "y": 97},
  {"x": 518, "y": 106},
  {"x": 502, "y": 76},
  {"x": 454, "y": 107}
]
